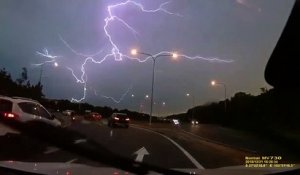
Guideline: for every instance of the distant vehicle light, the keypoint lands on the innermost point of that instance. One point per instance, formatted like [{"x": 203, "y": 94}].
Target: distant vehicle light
[
  {"x": 176, "y": 122},
  {"x": 127, "y": 119},
  {"x": 116, "y": 118},
  {"x": 195, "y": 122}
]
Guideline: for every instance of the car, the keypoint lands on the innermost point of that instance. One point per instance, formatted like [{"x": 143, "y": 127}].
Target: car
[
  {"x": 25, "y": 110},
  {"x": 68, "y": 112},
  {"x": 93, "y": 116},
  {"x": 119, "y": 119},
  {"x": 194, "y": 122},
  {"x": 176, "y": 122}
]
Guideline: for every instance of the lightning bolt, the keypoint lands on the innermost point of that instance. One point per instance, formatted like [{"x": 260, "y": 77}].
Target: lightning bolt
[
  {"x": 120, "y": 99},
  {"x": 168, "y": 53},
  {"x": 115, "y": 51},
  {"x": 78, "y": 53},
  {"x": 46, "y": 55},
  {"x": 82, "y": 98}
]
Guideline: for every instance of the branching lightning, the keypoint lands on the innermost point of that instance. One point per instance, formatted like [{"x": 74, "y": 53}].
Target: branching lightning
[
  {"x": 78, "y": 53},
  {"x": 46, "y": 55},
  {"x": 82, "y": 98},
  {"x": 210, "y": 59},
  {"x": 120, "y": 99},
  {"x": 115, "y": 51}
]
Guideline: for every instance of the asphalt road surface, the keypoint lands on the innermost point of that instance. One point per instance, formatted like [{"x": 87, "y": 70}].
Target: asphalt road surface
[{"x": 164, "y": 145}]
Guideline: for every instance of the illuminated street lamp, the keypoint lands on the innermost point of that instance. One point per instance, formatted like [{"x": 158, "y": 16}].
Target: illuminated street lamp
[
  {"x": 160, "y": 107},
  {"x": 214, "y": 83},
  {"x": 154, "y": 57},
  {"x": 174, "y": 56},
  {"x": 143, "y": 102},
  {"x": 133, "y": 52}
]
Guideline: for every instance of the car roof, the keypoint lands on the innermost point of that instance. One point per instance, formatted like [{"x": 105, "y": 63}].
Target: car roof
[
  {"x": 120, "y": 113},
  {"x": 18, "y": 99}
]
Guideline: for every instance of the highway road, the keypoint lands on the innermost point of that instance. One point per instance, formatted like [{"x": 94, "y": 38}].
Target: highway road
[{"x": 161, "y": 145}]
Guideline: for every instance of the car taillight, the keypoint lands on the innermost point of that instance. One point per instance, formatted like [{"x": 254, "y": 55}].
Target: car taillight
[
  {"x": 127, "y": 119},
  {"x": 116, "y": 118},
  {"x": 10, "y": 115}
]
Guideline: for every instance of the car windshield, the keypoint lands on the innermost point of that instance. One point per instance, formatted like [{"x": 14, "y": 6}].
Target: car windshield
[{"x": 169, "y": 85}]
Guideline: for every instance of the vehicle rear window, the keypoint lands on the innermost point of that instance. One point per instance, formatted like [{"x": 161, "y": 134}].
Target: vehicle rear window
[
  {"x": 5, "y": 105},
  {"x": 30, "y": 108},
  {"x": 44, "y": 113},
  {"x": 122, "y": 115}
]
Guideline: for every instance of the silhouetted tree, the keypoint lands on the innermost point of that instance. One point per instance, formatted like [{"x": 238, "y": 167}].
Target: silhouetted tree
[
  {"x": 23, "y": 77},
  {"x": 16, "y": 88}
]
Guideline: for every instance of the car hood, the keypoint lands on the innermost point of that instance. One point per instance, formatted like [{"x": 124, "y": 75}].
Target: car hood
[{"x": 74, "y": 169}]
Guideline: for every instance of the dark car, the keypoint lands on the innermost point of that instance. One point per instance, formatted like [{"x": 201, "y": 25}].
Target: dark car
[
  {"x": 119, "y": 119},
  {"x": 93, "y": 116}
]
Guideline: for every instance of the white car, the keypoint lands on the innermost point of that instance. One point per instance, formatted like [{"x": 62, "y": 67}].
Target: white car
[{"x": 25, "y": 110}]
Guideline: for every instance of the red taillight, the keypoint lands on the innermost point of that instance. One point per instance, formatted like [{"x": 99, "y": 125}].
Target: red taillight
[
  {"x": 127, "y": 119},
  {"x": 10, "y": 115},
  {"x": 116, "y": 118}
]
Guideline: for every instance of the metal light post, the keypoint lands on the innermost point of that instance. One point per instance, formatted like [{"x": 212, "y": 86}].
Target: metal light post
[
  {"x": 214, "y": 83},
  {"x": 142, "y": 104},
  {"x": 55, "y": 64},
  {"x": 163, "y": 104},
  {"x": 193, "y": 104},
  {"x": 154, "y": 57},
  {"x": 41, "y": 73}
]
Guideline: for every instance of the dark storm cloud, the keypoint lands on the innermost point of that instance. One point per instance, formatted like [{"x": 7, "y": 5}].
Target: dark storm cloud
[{"x": 245, "y": 31}]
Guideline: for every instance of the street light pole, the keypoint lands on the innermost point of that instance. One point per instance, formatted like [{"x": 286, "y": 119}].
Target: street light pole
[
  {"x": 193, "y": 103},
  {"x": 55, "y": 64},
  {"x": 213, "y": 83},
  {"x": 152, "y": 88},
  {"x": 135, "y": 52},
  {"x": 193, "y": 106},
  {"x": 41, "y": 73},
  {"x": 225, "y": 96}
]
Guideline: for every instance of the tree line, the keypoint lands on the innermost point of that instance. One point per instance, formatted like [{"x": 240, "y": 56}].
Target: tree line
[
  {"x": 273, "y": 109},
  {"x": 20, "y": 87}
]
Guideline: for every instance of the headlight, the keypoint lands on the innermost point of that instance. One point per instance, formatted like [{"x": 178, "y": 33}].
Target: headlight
[{"x": 176, "y": 122}]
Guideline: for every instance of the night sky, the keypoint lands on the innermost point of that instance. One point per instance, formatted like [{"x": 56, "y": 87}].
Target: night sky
[{"x": 244, "y": 31}]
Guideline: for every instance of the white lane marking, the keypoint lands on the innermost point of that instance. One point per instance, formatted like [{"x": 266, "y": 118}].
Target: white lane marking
[
  {"x": 79, "y": 141},
  {"x": 51, "y": 150},
  {"x": 187, "y": 154},
  {"x": 72, "y": 160},
  {"x": 111, "y": 133},
  {"x": 140, "y": 154}
]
